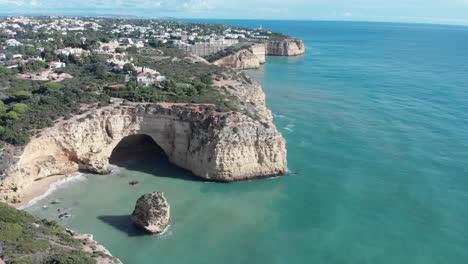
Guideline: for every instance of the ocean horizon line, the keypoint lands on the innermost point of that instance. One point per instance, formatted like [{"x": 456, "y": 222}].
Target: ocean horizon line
[{"x": 136, "y": 16}]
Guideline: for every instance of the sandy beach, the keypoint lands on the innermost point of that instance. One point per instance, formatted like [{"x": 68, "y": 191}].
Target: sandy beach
[{"x": 38, "y": 190}]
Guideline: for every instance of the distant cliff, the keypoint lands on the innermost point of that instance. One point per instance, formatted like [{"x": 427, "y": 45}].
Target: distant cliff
[
  {"x": 286, "y": 47},
  {"x": 254, "y": 56},
  {"x": 250, "y": 58}
]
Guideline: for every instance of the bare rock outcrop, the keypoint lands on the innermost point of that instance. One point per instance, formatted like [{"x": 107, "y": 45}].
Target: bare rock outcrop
[
  {"x": 286, "y": 47},
  {"x": 250, "y": 58},
  {"x": 255, "y": 55},
  {"x": 91, "y": 246},
  {"x": 152, "y": 213}
]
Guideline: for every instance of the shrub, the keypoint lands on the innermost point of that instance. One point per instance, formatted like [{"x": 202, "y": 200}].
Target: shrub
[
  {"x": 51, "y": 87},
  {"x": 23, "y": 242},
  {"x": 73, "y": 257},
  {"x": 19, "y": 108},
  {"x": 128, "y": 67},
  {"x": 2, "y": 107},
  {"x": 10, "y": 231},
  {"x": 21, "y": 95},
  {"x": 32, "y": 66},
  {"x": 12, "y": 115},
  {"x": 32, "y": 246},
  {"x": 23, "y": 260},
  {"x": 9, "y": 214}
]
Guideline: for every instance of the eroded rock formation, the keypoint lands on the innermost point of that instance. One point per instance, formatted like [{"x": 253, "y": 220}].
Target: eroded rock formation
[
  {"x": 287, "y": 47},
  {"x": 215, "y": 146},
  {"x": 152, "y": 213},
  {"x": 255, "y": 56},
  {"x": 250, "y": 58}
]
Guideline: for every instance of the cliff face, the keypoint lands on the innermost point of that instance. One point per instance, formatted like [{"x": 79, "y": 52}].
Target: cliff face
[
  {"x": 250, "y": 58},
  {"x": 287, "y": 47},
  {"x": 259, "y": 50},
  {"x": 255, "y": 56},
  {"x": 214, "y": 146}
]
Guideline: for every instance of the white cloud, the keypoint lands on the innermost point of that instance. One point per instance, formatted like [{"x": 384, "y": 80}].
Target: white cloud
[
  {"x": 35, "y": 3},
  {"x": 110, "y": 4},
  {"x": 11, "y": 3},
  {"x": 451, "y": 11}
]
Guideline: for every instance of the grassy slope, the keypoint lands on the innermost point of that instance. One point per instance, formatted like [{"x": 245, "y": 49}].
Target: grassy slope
[{"x": 25, "y": 239}]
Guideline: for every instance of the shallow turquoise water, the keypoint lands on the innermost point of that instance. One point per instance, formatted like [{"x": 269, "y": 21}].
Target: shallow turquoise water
[{"x": 376, "y": 119}]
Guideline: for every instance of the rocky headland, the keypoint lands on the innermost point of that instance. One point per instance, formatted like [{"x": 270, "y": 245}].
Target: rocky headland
[
  {"x": 286, "y": 47},
  {"x": 254, "y": 56},
  {"x": 215, "y": 146}
]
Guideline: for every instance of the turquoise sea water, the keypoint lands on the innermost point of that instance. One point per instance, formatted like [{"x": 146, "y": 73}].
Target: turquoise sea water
[{"x": 376, "y": 120}]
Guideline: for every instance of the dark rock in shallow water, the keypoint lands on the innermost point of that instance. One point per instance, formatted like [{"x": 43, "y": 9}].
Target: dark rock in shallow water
[
  {"x": 152, "y": 213},
  {"x": 133, "y": 183},
  {"x": 64, "y": 215}
]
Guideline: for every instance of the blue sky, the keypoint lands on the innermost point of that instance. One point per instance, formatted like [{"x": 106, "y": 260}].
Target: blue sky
[{"x": 422, "y": 11}]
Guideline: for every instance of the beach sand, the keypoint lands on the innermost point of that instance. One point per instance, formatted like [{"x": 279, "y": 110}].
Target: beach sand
[{"x": 38, "y": 189}]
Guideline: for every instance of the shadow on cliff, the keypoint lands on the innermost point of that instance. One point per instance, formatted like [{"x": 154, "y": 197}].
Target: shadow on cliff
[
  {"x": 122, "y": 223},
  {"x": 141, "y": 153}
]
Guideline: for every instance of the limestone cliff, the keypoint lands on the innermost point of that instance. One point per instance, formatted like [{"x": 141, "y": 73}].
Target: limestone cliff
[
  {"x": 286, "y": 47},
  {"x": 255, "y": 55},
  {"x": 250, "y": 58},
  {"x": 214, "y": 146}
]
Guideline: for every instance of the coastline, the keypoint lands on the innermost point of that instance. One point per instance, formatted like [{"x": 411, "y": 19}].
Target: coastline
[
  {"x": 43, "y": 188},
  {"x": 47, "y": 186}
]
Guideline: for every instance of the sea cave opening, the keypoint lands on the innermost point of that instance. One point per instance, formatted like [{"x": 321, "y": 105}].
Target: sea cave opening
[{"x": 140, "y": 152}]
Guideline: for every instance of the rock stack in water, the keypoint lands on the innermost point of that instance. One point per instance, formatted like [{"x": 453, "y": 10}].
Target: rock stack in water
[{"x": 152, "y": 213}]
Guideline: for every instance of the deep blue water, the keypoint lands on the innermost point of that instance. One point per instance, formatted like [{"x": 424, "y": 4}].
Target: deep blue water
[{"x": 376, "y": 120}]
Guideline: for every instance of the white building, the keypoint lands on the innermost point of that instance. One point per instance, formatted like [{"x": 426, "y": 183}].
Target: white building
[
  {"x": 56, "y": 65},
  {"x": 72, "y": 51},
  {"x": 2, "y": 56},
  {"x": 146, "y": 78},
  {"x": 13, "y": 43},
  {"x": 139, "y": 44}
]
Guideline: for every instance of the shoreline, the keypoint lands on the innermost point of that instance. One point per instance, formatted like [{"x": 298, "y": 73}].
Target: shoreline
[
  {"x": 43, "y": 188},
  {"x": 47, "y": 186}
]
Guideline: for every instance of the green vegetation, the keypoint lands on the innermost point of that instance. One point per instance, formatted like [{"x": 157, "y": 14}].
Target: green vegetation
[
  {"x": 27, "y": 106},
  {"x": 72, "y": 257},
  {"x": 10, "y": 231},
  {"x": 34, "y": 105},
  {"x": 32, "y": 66},
  {"x": 24, "y": 239}
]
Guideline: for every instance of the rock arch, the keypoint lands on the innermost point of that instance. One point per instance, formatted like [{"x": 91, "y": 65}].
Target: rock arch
[
  {"x": 228, "y": 147},
  {"x": 134, "y": 148}
]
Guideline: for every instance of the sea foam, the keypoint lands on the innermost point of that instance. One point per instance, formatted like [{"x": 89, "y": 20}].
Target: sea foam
[{"x": 78, "y": 177}]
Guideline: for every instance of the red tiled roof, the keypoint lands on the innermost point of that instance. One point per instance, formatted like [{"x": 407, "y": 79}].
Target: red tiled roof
[{"x": 141, "y": 74}]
